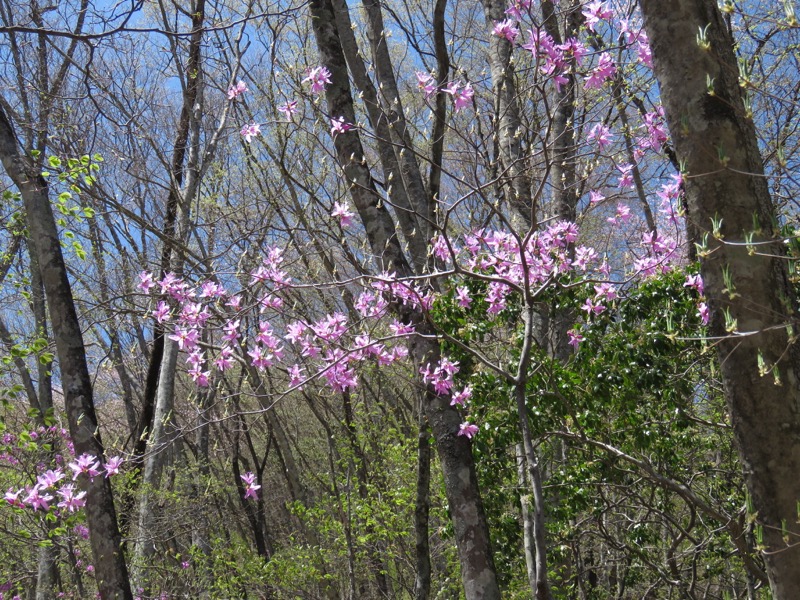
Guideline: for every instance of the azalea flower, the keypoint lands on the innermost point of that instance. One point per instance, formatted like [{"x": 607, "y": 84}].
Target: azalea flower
[
  {"x": 506, "y": 29},
  {"x": 113, "y": 465},
  {"x": 251, "y": 487},
  {"x": 702, "y": 312},
  {"x": 467, "y": 429},
  {"x": 462, "y": 96},
  {"x": 575, "y": 338},
  {"x": 605, "y": 70},
  {"x": 70, "y": 500},
  {"x": 338, "y": 126},
  {"x": 601, "y": 135},
  {"x": 289, "y": 109},
  {"x": 250, "y": 131},
  {"x": 596, "y": 12},
  {"x": 695, "y": 282},
  {"x": 85, "y": 464},
  {"x": 426, "y": 83},
  {"x": 342, "y": 211},
  {"x": 318, "y": 77},
  {"x": 237, "y": 90},
  {"x": 146, "y": 282}
]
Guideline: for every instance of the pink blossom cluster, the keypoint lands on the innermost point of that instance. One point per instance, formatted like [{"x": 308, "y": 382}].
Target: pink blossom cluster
[
  {"x": 695, "y": 282},
  {"x": 39, "y": 496},
  {"x": 207, "y": 320},
  {"x": 498, "y": 258},
  {"x": 556, "y": 61},
  {"x": 595, "y": 12},
  {"x": 250, "y": 486},
  {"x": 237, "y": 90},
  {"x": 462, "y": 93},
  {"x": 319, "y": 78}
]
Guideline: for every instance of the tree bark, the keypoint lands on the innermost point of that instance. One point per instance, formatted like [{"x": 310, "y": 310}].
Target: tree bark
[
  {"x": 724, "y": 178},
  {"x": 422, "y": 580},
  {"x": 461, "y": 484},
  {"x": 110, "y": 568},
  {"x": 507, "y": 124}
]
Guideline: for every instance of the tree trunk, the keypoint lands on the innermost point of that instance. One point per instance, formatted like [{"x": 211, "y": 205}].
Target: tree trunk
[
  {"x": 507, "y": 124},
  {"x": 751, "y": 300},
  {"x": 422, "y": 581},
  {"x": 461, "y": 484},
  {"x": 110, "y": 568}
]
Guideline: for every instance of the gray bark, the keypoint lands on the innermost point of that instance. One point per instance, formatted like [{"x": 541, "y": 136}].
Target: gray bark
[
  {"x": 422, "y": 580},
  {"x": 513, "y": 170},
  {"x": 724, "y": 179},
  {"x": 469, "y": 520},
  {"x": 110, "y": 568}
]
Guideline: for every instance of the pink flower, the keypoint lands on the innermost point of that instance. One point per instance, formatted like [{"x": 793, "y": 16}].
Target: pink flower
[
  {"x": 461, "y": 397},
  {"x": 231, "y": 331},
  {"x": 601, "y": 135},
  {"x": 235, "y": 302},
  {"x": 595, "y": 12},
  {"x": 50, "y": 478},
  {"x": 467, "y": 429},
  {"x": 250, "y": 131},
  {"x": 592, "y": 308},
  {"x": 211, "y": 289},
  {"x": 462, "y": 97},
  {"x": 626, "y": 176},
  {"x": 13, "y": 498},
  {"x": 506, "y": 29},
  {"x": 289, "y": 109},
  {"x": 113, "y": 465},
  {"x": 463, "y": 297},
  {"x": 38, "y": 501},
  {"x": 702, "y": 312},
  {"x": 200, "y": 377},
  {"x": 187, "y": 338},
  {"x": 146, "y": 282},
  {"x": 295, "y": 375},
  {"x": 695, "y": 282},
  {"x": 623, "y": 214},
  {"x": 237, "y": 90},
  {"x": 596, "y": 197},
  {"x": 575, "y": 338},
  {"x": 338, "y": 126},
  {"x": 251, "y": 488},
  {"x": 318, "y": 77},
  {"x": 341, "y": 210},
  {"x": 426, "y": 83},
  {"x": 70, "y": 500},
  {"x": 85, "y": 464},
  {"x": 573, "y": 48},
  {"x": 643, "y": 50},
  {"x": 224, "y": 361},
  {"x": 606, "y": 69}
]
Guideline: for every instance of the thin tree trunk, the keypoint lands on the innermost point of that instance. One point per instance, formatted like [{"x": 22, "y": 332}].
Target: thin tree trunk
[
  {"x": 752, "y": 303},
  {"x": 110, "y": 568},
  {"x": 527, "y": 518},
  {"x": 422, "y": 505}
]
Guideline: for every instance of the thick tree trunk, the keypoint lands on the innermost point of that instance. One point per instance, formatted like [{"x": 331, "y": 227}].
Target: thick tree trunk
[
  {"x": 751, "y": 300},
  {"x": 110, "y": 568}
]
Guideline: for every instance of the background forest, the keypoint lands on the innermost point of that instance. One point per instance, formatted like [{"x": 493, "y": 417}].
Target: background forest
[{"x": 413, "y": 299}]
